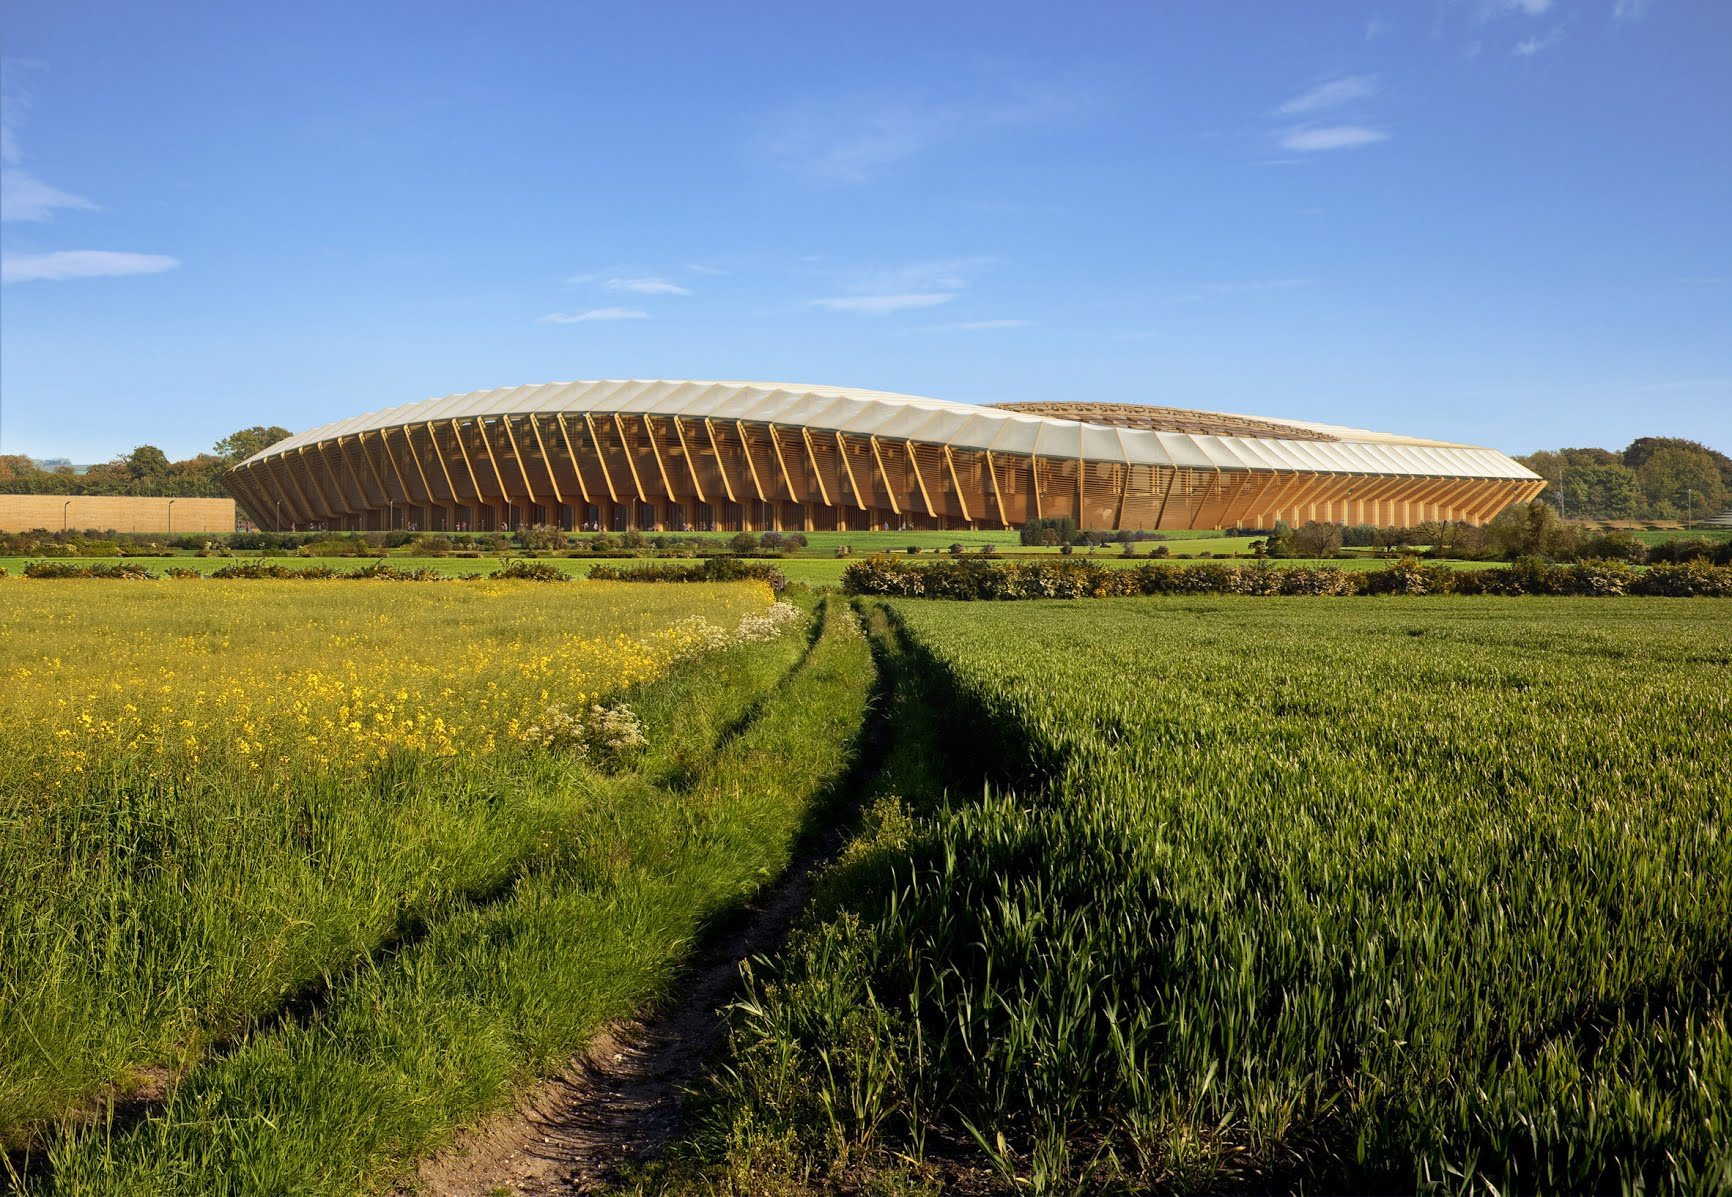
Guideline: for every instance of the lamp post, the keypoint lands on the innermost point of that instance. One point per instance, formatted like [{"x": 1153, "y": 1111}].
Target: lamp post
[
  {"x": 1689, "y": 507},
  {"x": 171, "y": 517},
  {"x": 65, "y": 508}
]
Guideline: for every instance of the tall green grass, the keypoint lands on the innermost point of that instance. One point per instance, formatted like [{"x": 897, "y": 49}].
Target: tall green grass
[
  {"x": 414, "y": 1044},
  {"x": 1402, "y": 896},
  {"x": 155, "y": 904}
]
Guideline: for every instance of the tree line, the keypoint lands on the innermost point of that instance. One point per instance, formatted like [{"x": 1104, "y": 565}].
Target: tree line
[
  {"x": 1655, "y": 477},
  {"x": 146, "y": 470}
]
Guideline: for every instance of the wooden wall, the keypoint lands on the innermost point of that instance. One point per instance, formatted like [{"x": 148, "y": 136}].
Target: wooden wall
[{"x": 115, "y": 513}]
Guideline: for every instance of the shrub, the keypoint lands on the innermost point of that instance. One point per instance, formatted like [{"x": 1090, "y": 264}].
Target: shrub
[
  {"x": 1674, "y": 551},
  {"x": 66, "y": 569},
  {"x": 518, "y": 570},
  {"x": 710, "y": 569},
  {"x": 1408, "y": 576},
  {"x": 745, "y": 542},
  {"x": 541, "y": 536},
  {"x": 1690, "y": 579},
  {"x": 385, "y": 572},
  {"x": 1614, "y": 546},
  {"x": 433, "y": 546},
  {"x": 956, "y": 549},
  {"x": 253, "y": 570}
]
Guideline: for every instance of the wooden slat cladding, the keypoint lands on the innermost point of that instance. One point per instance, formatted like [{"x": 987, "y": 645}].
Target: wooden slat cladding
[
  {"x": 124, "y": 513},
  {"x": 616, "y": 470}
]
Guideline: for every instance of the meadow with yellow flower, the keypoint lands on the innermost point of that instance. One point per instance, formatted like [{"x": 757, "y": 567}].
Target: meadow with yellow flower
[{"x": 228, "y": 804}]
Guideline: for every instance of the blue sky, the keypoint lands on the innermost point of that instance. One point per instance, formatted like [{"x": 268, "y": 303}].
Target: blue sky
[{"x": 1507, "y": 222}]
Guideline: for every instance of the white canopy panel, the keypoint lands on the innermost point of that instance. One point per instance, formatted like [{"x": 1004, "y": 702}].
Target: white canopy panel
[{"x": 942, "y": 421}]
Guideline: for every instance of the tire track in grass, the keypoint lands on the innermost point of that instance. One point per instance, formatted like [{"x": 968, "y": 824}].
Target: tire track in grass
[{"x": 620, "y": 1101}]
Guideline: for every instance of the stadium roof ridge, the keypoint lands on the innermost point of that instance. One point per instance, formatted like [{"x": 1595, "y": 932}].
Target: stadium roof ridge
[{"x": 1314, "y": 447}]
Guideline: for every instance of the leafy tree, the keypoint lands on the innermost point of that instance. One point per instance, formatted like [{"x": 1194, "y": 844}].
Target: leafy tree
[
  {"x": 1532, "y": 530},
  {"x": 1643, "y": 448},
  {"x": 1316, "y": 539},
  {"x": 1669, "y": 475},
  {"x": 1601, "y": 492},
  {"x": 146, "y": 461},
  {"x": 238, "y": 446}
]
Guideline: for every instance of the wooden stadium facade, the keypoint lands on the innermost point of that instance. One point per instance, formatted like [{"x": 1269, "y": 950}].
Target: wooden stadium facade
[{"x": 584, "y": 464}]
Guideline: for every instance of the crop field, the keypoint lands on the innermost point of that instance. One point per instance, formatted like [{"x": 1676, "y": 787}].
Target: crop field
[
  {"x": 1367, "y": 897},
  {"x": 308, "y": 876}
]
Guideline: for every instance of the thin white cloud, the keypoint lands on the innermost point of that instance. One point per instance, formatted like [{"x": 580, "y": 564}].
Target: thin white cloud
[
  {"x": 80, "y": 263},
  {"x": 696, "y": 268},
  {"x": 883, "y": 305},
  {"x": 1529, "y": 46},
  {"x": 1629, "y": 10},
  {"x": 1331, "y": 94},
  {"x": 593, "y": 314},
  {"x": 647, "y": 286},
  {"x": 937, "y": 274},
  {"x": 1311, "y": 138},
  {"x": 23, "y": 196},
  {"x": 981, "y": 325},
  {"x": 884, "y": 290},
  {"x": 1527, "y": 8},
  {"x": 860, "y": 139}
]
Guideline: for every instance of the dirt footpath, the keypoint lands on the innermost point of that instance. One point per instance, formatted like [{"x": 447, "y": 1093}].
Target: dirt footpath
[{"x": 620, "y": 1101}]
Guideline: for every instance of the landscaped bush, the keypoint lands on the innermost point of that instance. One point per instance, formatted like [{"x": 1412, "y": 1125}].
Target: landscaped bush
[
  {"x": 66, "y": 569},
  {"x": 710, "y": 569},
  {"x": 532, "y": 571},
  {"x": 542, "y": 536},
  {"x": 1692, "y": 579},
  {"x": 973, "y": 578},
  {"x": 255, "y": 570}
]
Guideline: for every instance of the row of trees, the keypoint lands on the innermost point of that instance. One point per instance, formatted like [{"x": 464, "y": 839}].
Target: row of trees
[
  {"x": 1655, "y": 477},
  {"x": 1524, "y": 530},
  {"x": 144, "y": 471}
]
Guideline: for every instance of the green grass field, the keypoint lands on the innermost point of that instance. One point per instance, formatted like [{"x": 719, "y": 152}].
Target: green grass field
[
  {"x": 1172, "y": 894},
  {"x": 301, "y": 863},
  {"x": 1412, "y": 894}
]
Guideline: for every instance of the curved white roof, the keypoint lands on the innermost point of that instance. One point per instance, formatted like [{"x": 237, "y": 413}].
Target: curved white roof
[{"x": 961, "y": 425}]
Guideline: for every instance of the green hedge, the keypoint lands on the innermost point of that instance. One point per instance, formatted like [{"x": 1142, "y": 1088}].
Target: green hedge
[
  {"x": 977, "y": 579},
  {"x": 710, "y": 569}
]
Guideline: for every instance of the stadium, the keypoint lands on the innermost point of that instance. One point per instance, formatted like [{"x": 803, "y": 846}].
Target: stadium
[{"x": 754, "y": 456}]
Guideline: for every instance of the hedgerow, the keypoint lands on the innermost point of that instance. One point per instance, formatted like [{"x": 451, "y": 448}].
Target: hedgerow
[
  {"x": 973, "y": 578},
  {"x": 711, "y": 569}
]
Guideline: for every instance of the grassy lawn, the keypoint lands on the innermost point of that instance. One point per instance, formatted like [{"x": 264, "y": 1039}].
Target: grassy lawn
[{"x": 1377, "y": 897}]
